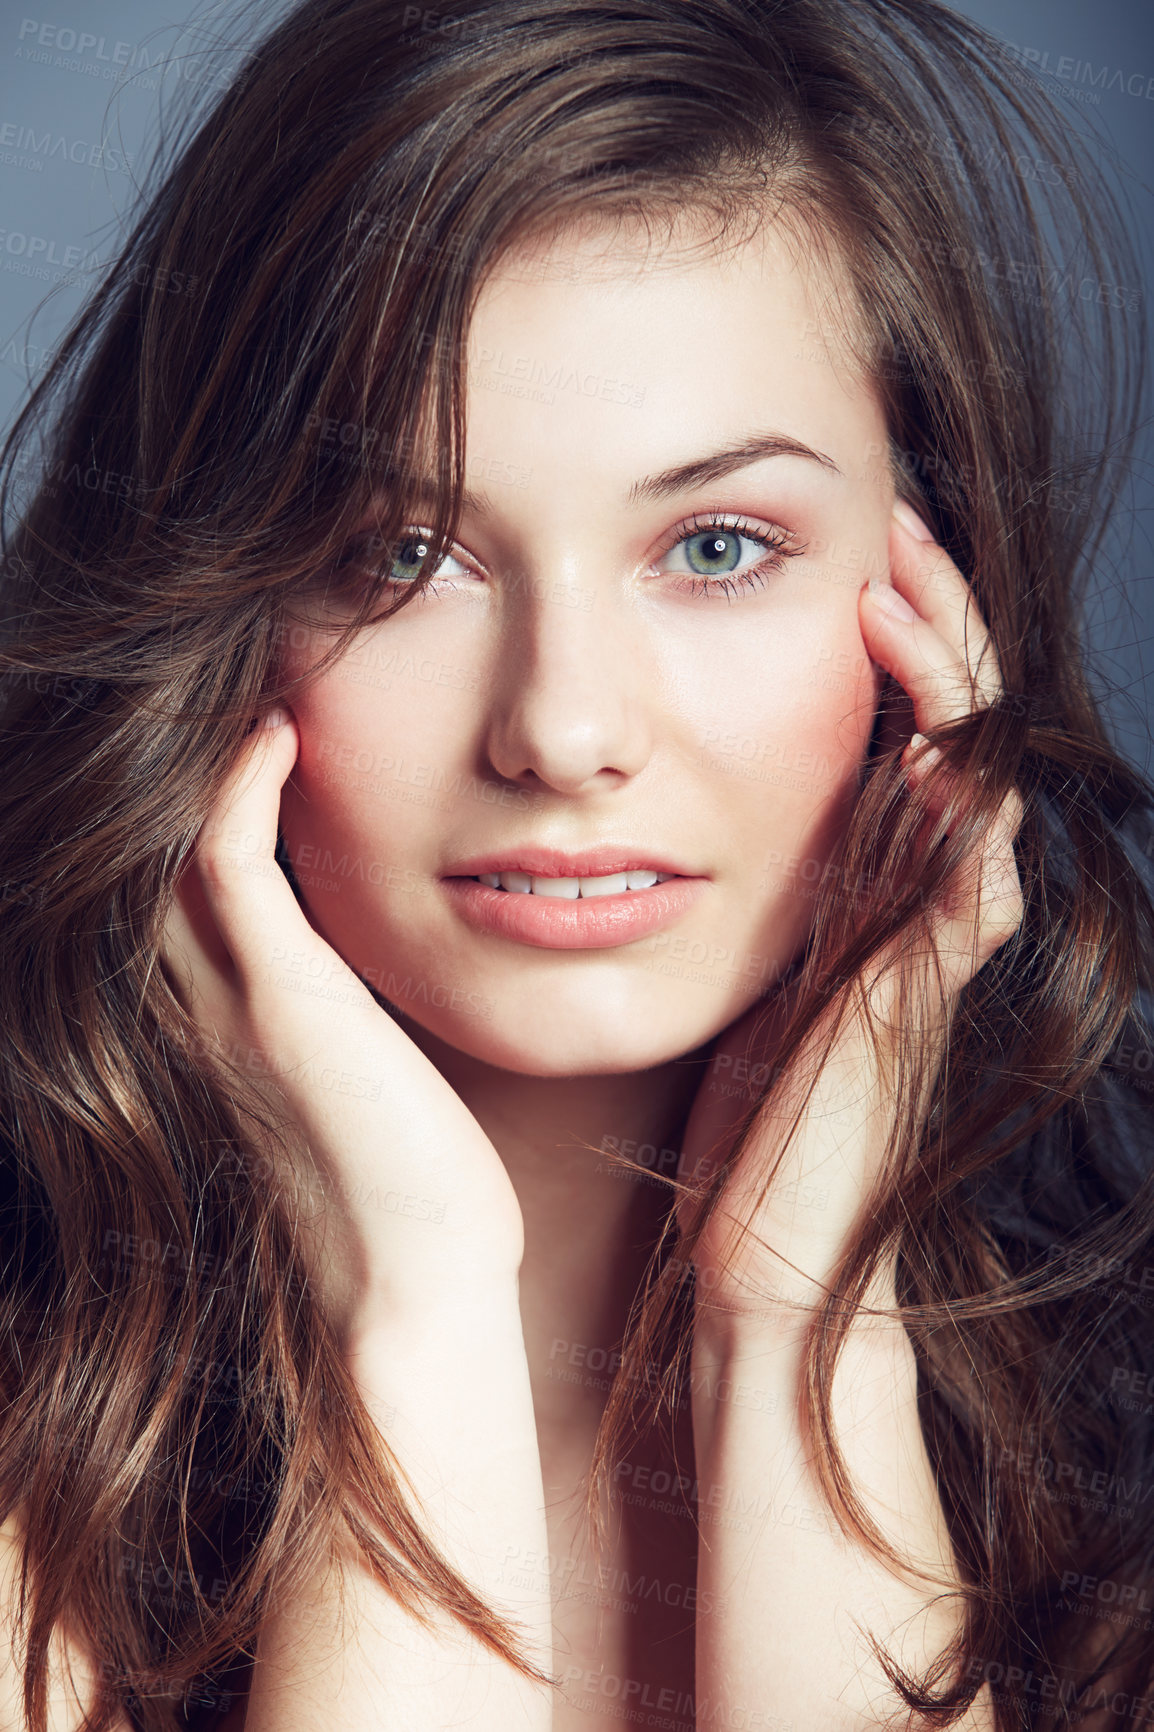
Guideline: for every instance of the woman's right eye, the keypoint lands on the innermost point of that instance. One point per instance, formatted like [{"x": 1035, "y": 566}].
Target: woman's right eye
[{"x": 398, "y": 564}]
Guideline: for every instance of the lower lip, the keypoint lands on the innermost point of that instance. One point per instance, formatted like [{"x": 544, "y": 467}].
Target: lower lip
[{"x": 573, "y": 923}]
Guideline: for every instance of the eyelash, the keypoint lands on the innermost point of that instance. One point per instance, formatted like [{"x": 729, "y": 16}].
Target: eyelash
[{"x": 780, "y": 545}]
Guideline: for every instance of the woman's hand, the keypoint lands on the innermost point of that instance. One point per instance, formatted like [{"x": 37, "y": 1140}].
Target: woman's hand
[
  {"x": 925, "y": 630},
  {"x": 413, "y": 1237},
  {"x": 408, "y": 1202}
]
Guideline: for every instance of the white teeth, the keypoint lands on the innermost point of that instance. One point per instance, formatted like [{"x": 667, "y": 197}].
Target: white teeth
[
  {"x": 612, "y": 884},
  {"x": 568, "y": 887},
  {"x": 615, "y": 884}
]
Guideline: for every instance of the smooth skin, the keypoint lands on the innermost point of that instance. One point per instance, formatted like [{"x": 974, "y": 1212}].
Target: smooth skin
[{"x": 636, "y": 718}]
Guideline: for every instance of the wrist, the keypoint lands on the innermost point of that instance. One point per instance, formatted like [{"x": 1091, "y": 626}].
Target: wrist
[
  {"x": 748, "y": 1367},
  {"x": 450, "y": 1385},
  {"x": 443, "y": 1321},
  {"x": 725, "y": 1320}
]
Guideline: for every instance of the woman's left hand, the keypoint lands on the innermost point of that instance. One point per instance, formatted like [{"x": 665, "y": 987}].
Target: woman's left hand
[{"x": 925, "y": 630}]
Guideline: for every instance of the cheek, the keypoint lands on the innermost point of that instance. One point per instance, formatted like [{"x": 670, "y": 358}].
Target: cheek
[
  {"x": 784, "y": 757},
  {"x": 361, "y": 804},
  {"x": 788, "y": 705},
  {"x": 374, "y": 730}
]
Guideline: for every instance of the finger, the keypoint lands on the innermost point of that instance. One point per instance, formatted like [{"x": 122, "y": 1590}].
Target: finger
[
  {"x": 244, "y": 891},
  {"x": 923, "y": 663},
  {"x": 200, "y": 985},
  {"x": 929, "y": 580},
  {"x": 926, "y": 575},
  {"x": 193, "y": 948},
  {"x": 191, "y": 929},
  {"x": 190, "y": 946},
  {"x": 984, "y": 908},
  {"x": 919, "y": 758},
  {"x": 925, "y": 628}
]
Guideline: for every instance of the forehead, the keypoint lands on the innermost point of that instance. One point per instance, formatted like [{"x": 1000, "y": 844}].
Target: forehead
[
  {"x": 610, "y": 338},
  {"x": 784, "y": 255}
]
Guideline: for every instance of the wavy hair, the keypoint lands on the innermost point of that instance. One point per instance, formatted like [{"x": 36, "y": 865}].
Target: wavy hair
[{"x": 278, "y": 342}]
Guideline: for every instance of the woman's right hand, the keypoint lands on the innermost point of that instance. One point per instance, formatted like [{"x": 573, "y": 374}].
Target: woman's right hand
[
  {"x": 413, "y": 1238},
  {"x": 408, "y": 1205}
]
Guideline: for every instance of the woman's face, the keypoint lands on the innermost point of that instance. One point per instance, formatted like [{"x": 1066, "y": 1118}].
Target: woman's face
[{"x": 601, "y": 666}]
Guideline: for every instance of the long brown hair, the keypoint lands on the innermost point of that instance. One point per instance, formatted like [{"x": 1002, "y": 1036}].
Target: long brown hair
[{"x": 279, "y": 340}]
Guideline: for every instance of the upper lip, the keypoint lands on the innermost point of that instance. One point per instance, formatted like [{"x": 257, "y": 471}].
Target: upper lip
[{"x": 552, "y": 863}]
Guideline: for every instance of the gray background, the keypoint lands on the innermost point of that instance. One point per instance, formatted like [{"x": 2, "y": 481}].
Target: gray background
[{"x": 102, "y": 74}]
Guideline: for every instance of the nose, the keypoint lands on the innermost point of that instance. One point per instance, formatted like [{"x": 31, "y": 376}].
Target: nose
[{"x": 572, "y": 687}]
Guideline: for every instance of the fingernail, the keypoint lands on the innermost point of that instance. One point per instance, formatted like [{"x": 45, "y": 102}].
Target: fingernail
[
  {"x": 925, "y": 756},
  {"x": 275, "y": 718},
  {"x": 909, "y": 519},
  {"x": 888, "y": 598}
]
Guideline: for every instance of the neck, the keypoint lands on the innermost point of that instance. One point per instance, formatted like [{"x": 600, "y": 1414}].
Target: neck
[{"x": 590, "y": 1227}]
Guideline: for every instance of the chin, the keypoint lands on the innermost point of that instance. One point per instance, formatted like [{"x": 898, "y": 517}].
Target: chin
[{"x": 565, "y": 1042}]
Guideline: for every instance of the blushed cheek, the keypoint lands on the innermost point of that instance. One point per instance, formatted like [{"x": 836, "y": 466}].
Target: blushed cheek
[
  {"x": 802, "y": 826},
  {"x": 337, "y": 817},
  {"x": 358, "y": 733},
  {"x": 844, "y": 690},
  {"x": 798, "y": 719}
]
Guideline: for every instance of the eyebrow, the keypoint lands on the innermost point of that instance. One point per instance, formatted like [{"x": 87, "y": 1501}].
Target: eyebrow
[
  {"x": 714, "y": 464},
  {"x": 682, "y": 476}
]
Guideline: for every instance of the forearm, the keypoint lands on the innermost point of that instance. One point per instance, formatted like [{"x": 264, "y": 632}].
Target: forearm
[
  {"x": 802, "y": 1599},
  {"x": 454, "y": 1403}
]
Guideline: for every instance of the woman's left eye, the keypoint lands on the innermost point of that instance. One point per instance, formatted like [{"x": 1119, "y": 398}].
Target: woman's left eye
[{"x": 711, "y": 549}]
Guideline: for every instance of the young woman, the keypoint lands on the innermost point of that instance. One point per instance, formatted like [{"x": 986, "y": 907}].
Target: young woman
[{"x": 575, "y": 1139}]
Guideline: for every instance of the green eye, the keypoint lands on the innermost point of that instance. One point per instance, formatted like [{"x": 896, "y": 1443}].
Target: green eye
[
  {"x": 398, "y": 565},
  {"x": 713, "y": 552},
  {"x": 407, "y": 554},
  {"x": 410, "y": 551}
]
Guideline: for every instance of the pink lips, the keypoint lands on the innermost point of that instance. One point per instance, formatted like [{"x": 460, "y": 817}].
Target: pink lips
[{"x": 565, "y": 923}]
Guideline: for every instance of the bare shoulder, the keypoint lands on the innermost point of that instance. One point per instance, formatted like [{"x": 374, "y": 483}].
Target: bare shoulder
[{"x": 72, "y": 1672}]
